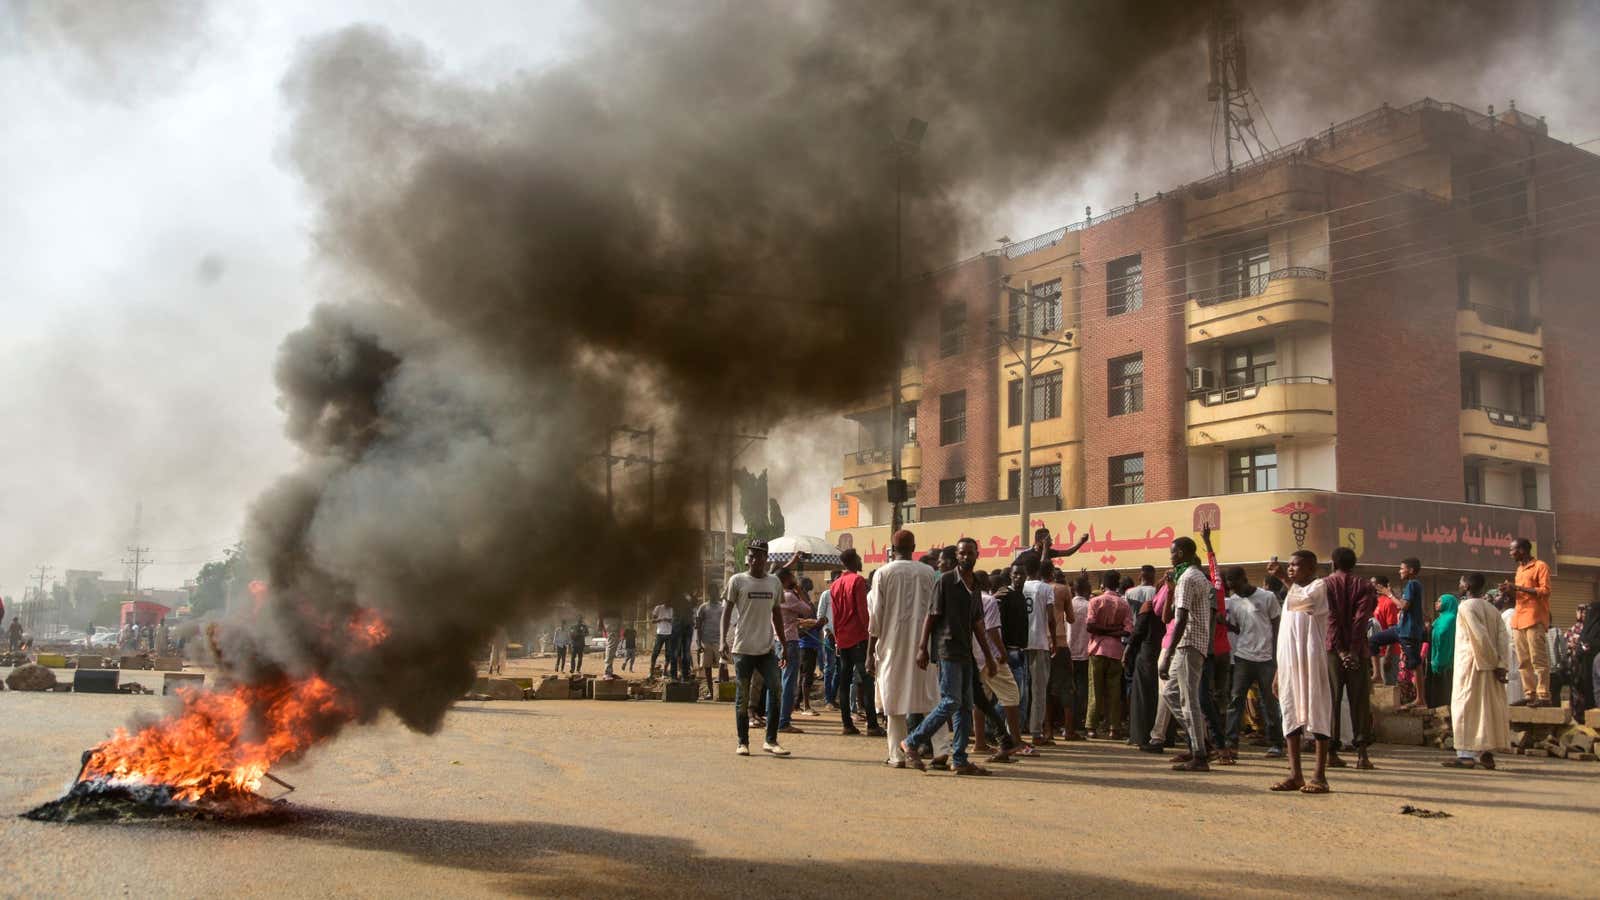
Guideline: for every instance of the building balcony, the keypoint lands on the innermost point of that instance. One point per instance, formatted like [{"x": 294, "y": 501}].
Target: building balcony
[
  {"x": 866, "y": 471},
  {"x": 910, "y": 392},
  {"x": 1296, "y": 295},
  {"x": 1299, "y": 406},
  {"x": 1500, "y": 334},
  {"x": 1498, "y": 434}
]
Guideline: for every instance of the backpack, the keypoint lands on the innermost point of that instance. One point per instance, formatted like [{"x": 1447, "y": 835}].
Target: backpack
[{"x": 1013, "y": 617}]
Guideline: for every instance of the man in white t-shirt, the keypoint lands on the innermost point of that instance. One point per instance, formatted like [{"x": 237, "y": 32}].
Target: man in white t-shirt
[
  {"x": 1041, "y": 599},
  {"x": 661, "y": 615},
  {"x": 750, "y": 619},
  {"x": 1253, "y": 615}
]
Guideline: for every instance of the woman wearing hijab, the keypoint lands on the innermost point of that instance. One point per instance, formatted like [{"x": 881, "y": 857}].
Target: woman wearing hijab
[
  {"x": 1442, "y": 650},
  {"x": 1583, "y": 648}
]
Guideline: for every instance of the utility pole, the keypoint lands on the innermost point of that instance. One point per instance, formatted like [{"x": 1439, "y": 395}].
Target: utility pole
[
  {"x": 38, "y": 598},
  {"x": 1024, "y": 463},
  {"x": 904, "y": 147}
]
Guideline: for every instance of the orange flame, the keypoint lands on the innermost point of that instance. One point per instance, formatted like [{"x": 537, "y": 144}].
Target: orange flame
[
  {"x": 221, "y": 743},
  {"x": 368, "y": 629}
]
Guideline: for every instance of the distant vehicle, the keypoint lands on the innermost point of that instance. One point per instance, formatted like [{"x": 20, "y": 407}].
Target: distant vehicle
[
  {"x": 597, "y": 645},
  {"x": 104, "y": 639}
]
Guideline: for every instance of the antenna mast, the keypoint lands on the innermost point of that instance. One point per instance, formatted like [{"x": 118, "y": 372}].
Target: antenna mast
[{"x": 1229, "y": 88}]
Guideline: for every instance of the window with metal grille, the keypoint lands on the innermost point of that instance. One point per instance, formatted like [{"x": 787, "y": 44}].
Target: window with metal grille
[
  {"x": 1127, "y": 479},
  {"x": 1530, "y": 489},
  {"x": 1045, "y": 481},
  {"x": 1252, "y": 469},
  {"x": 952, "y": 491},
  {"x": 1125, "y": 385},
  {"x": 1124, "y": 285},
  {"x": 1249, "y": 364},
  {"x": 1473, "y": 484},
  {"x": 952, "y": 328},
  {"x": 1046, "y": 396},
  {"x": 1243, "y": 271},
  {"x": 952, "y": 417},
  {"x": 1047, "y": 307}
]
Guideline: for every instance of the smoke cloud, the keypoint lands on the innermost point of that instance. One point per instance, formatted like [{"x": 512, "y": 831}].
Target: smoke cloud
[{"x": 691, "y": 226}]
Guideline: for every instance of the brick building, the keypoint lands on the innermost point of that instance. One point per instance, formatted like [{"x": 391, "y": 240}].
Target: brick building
[{"x": 1387, "y": 323}]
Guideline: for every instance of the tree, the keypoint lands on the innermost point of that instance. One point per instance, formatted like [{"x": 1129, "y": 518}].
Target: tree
[
  {"x": 763, "y": 517},
  {"x": 215, "y": 579}
]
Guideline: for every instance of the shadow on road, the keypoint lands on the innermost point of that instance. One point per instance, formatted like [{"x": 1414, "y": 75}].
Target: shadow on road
[{"x": 547, "y": 858}]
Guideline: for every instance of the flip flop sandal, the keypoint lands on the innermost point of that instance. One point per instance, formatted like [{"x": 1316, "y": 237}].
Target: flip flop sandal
[
  {"x": 999, "y": 758},
  {"x": 1459, "y": 763},
  {"x": 1314, "y": 787},
  {"x": 970, "y": 769},
  {"x": 1365, "y": 765},
  {"x": 894, "y": 765},
  {"x": 1337, "y": 763},
  {"x": 1026, "y": 750},
  {"x": 1286, "y": 785},
  {"x": 1487, "y": 761}
]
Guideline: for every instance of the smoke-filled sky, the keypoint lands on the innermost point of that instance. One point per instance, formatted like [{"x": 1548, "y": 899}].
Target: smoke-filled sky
[{"x": 178, "y": 192}]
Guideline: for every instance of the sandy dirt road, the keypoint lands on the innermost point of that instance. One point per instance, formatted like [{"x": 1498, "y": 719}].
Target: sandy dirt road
[{"x": 646, "y": 799}]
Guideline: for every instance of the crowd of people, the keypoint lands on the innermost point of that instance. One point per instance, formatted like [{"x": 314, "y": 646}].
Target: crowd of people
[{"x": 941, "y": 660}]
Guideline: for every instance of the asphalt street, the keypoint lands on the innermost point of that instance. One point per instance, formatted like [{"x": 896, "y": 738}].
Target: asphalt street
[{"x": 646, "y": 799}]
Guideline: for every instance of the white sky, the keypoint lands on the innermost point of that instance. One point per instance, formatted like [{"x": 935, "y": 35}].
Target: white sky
[{"x": 157, "y": 251}]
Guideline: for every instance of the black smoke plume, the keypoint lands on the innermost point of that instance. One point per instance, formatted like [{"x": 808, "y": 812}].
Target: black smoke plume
[{"x": 690, "y": 225}]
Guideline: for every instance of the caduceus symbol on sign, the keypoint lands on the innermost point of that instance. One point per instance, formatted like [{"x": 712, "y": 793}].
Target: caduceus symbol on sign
[{"x": 1299, "y": 513}]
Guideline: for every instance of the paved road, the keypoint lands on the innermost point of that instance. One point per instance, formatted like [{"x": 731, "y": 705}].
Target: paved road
[{"x": 644, "y": 799}]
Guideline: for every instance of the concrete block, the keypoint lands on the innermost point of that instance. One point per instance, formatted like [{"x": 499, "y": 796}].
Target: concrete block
[
  {"x": 1591, "y": 718},
  {"x": 1546, "y": 715},
  {"x": 1385, "y": 697},
  {"x": 578, "y": 687},
  {"x": 553, "y": 687},
  {"x": 1405, "y": 730},
  {"x": 680, "y": 692},
  {"x": 168, "y": 664},
  {"x": 52, "y": 660},
  {"x": 171, "y": 681},
  {"x": 88, "y": 662},
  {"x": 524, "y": 683},
  {"x": 498, "y": 688},
  {"x": 726, "y": 691},
  {"x": 614, "y": 689}
]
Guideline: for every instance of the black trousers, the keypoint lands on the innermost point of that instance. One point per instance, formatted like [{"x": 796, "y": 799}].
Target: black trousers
[
  {"x": 853, "y": 668},
  {"x": 1357, "y": 683}
]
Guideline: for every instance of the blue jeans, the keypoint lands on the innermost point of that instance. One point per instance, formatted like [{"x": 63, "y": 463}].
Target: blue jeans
[
  {"x": 743, "y": 668},
  {"x": 1018, "y": 661},
  {"x": 830, "y": 670},
  {"x": 955, "y": 707},
  {"x": 1408, "y": 645},
  {"x": 791, "y": 679}
]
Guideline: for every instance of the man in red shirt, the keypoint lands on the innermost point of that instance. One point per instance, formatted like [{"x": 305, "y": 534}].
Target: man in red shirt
[
  {"x": 1386, "y": 662},
  {"x": 848, "y": 596}
]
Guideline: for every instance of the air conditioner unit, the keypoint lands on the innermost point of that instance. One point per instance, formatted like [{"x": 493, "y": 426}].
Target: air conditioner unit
[{"x": 1202, "y": 379}]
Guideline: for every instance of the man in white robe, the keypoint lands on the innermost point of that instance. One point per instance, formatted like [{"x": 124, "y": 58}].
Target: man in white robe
[
  {"x": 1304, "y": 691},
  {"x": 1480, "y": 718},
  {"x": 897, "y": 604}
]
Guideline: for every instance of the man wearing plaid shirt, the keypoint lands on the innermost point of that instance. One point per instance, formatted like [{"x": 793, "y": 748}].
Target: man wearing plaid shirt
[{"x": 1183, "y": 663}]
